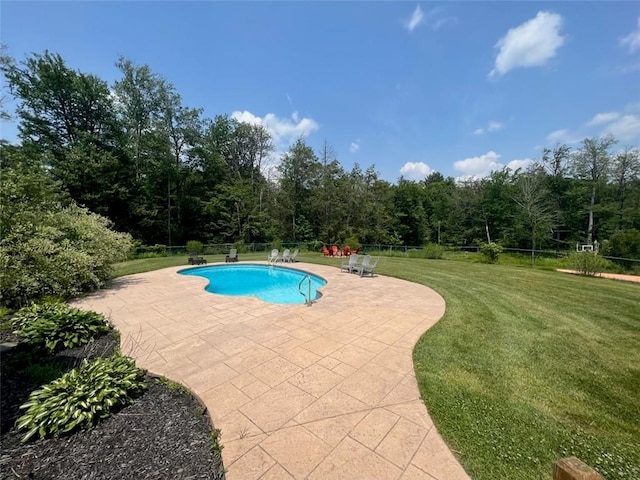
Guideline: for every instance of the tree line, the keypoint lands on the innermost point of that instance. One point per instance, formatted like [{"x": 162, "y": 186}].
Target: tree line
[{"x": 159, "y": 170}]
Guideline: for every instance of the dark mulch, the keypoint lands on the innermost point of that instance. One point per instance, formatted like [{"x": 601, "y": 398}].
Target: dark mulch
[{"x": 164, "y": 434}]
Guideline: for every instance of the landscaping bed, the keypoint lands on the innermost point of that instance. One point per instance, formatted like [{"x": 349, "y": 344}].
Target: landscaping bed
[{"x": 164, "y": 434}]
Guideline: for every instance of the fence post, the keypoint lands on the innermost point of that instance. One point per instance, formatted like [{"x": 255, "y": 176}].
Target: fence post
[{"x": 571, "y": 468}]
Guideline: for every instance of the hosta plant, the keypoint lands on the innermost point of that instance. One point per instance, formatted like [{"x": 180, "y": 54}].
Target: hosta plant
[
  {"x": 55, "y": 326},
  {"x": 81, "y": 397}
]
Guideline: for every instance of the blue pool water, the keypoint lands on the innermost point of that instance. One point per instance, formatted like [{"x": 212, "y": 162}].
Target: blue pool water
[{"x": 267, "y": 282}]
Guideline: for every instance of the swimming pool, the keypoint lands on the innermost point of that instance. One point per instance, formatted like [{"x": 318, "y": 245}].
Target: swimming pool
[{"x": 267, "y": 282}]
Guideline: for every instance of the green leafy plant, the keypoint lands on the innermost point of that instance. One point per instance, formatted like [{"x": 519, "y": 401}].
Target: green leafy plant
[
  {"x": 195, "y": 246},
  {"x": 433, "y": 251},
  {"x": 81, "y": 397},
  {"x": 55, "y": 326},
  {"x": 491, "y": 251},
  {"x": 173, "y": 386},
  {"x": 588, "y": 263}
]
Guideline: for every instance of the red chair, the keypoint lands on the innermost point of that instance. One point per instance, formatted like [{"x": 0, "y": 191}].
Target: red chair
[
  {"x": 346, "y": 251},
  {"x": 325, "y": 251},
  {"x": 334, "y": 251},
  {"x": 356, "y": 250}
]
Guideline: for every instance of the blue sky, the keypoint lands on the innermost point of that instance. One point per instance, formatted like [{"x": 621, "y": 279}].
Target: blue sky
[{"x": 455, "y": 87}]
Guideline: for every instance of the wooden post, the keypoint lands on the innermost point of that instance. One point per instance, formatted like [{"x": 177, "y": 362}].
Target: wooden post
[{"x": 572, "y": 468}]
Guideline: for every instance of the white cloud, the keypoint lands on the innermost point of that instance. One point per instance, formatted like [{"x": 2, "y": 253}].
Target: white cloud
[
  {"x": 625, "y": 129},
  {"x": 416, "y": 19},
  {"x": 495, "y": 126},
  {"x": 562, "y": 136},
  {"x": 531, "y": 44},
  {"x": 415, "y": 170},
  {"x": 354, "y": 147},
  {"x": 601, "y": 118},
  {"x": 632, "y": 41},
  {"x": 282, "y": 130},
  {"x": 491, "y": 127},
  {"x": 477, "y": 167},
  {"x": 516, "y": 164}
]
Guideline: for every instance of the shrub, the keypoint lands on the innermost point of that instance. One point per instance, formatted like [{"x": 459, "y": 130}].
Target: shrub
[
  {"x": 68, "y": 252},
  {"x": 81, "y": 397},
  {"x": 624, "y": 244},
  {"x": 588, "y": 263},
  {"x": 54, "y": 326},
  {"x": 315, "y": 246},
  {"x": 195, "y": 246},
  {"x": 433, "y": 251},
  {"x": 491, "y": 251}
]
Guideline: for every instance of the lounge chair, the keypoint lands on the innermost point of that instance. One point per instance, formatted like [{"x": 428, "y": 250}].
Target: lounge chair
[
  {"x": 346, "y": 251},
  {"x": 334, "y": 251},
  {"x": 292, "y": 258},
  {"x": 273, "y": 256},
  {"x": 369, "y": 267},
  {"x": 325, "y": 251},
  {"x": 350, "y": 266},
  {"x": 233, "y": 256},
  {"x": 195, "y": 259},
  {"x": 286, "y": 256}
]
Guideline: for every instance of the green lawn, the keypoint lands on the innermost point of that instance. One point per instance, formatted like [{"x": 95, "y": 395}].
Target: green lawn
[{"x": 526, "y": 366}]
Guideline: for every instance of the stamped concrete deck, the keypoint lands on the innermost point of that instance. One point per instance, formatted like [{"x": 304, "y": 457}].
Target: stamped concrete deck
[{"x": 320, "y": 392}]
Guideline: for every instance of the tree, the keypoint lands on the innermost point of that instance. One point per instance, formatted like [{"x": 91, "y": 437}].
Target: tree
[
  {"x": 625, "y": 172},
  {"x": 5, "y": 62},
  {"x": 68, "y": 117},
  {"x": 591, "y": 163},
  {"x": 532, "y": 198},
  {"x": 555, "y": 164},
  {"x": 299, "y": 171}
]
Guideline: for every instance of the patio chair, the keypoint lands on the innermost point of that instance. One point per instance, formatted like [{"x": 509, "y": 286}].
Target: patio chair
[
  {"x": 350, "y": 266},
  {"x": 232, "y": 257},
  {"x": 325, "y": 251},
  {"x": 273, "y": 256},
  {"x": 286, "y": 256},
  {"x": 334, "y": 251},
  {"x": 195, "y": 259},
  {"x": 369, "y": 267},
  {"x": 346, "y": 251},
  {"x": 292, "y": 258}
]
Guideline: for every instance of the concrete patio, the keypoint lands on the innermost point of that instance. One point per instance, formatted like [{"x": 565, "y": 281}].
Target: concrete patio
[{"x": 319, "y": 392}]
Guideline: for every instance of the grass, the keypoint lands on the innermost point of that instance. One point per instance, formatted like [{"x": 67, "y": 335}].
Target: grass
[{"x": 527, "y": 365}]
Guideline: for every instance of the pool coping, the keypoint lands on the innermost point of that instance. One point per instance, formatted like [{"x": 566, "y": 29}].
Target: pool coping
[{"x": 327, "y": 391}]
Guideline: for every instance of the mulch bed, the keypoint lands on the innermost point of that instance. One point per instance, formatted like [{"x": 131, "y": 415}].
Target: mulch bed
[{"x": 164, "y": 434}]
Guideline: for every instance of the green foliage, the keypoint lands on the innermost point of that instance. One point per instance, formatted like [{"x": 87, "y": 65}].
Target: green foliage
[
  {"x": 240, "y": 246},
  {"x": 150, "y": 251},
  {"x": 315, "y": 246},
  {"x": 491, "y": 251},
  {"x": 54, "y": 326},
  {"x": 81, "y": 397},
  {"x": 173, "y": 386},
  {"x": 42, "y": 373},
  {"x": 50, "y": 246},
  {"x": 433, "y": 251},
  {"x": 625, "y": 244},
  {"x": 216, "y": 450},
  {"x": 277, "y": 243},
  {"x": 195, "y": 246},
  {"x": 588, "y": 263}
]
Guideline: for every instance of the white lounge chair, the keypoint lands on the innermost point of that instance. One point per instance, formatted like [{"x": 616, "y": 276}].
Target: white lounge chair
[
  {"x": 369, "y": 267},
  {"x": 273, "y": 256},
  {"x": 350, "y": 266},
  {"x": 286, "y": 256},
  {"x": 292, "y": 258}
]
